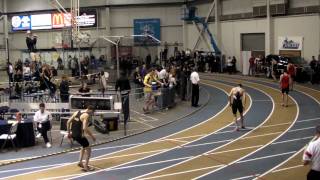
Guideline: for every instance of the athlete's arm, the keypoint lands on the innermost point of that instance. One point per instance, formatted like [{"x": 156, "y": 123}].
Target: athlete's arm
[
  {"x": 244, "y": 98},
  {"x": 230, "y": 96},
  {"x": 69, "y": 122}
]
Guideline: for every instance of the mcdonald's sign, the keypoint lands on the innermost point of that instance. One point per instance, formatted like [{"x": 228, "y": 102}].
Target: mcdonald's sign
[{"x": 58, "y": 20}]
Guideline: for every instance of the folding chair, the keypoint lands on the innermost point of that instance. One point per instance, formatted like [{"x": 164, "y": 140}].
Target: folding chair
[
  {"x": 64, "y": 130},
  {"x": 11, "y": 136}
]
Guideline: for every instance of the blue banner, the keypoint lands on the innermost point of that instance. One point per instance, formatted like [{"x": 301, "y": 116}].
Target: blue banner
[
  {"x": 21, "y": 23},
  {"x": 146, "y": 27}
]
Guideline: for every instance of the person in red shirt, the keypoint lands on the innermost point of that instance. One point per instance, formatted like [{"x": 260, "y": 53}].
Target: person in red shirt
[
  {"x": 292, "y": 72},
  {"x": 252, "y": 66},
  {"x": 284, "y": 85}
]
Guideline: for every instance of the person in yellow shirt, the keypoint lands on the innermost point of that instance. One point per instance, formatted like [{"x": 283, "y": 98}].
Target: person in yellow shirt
[{"x": 150, "y": 81}]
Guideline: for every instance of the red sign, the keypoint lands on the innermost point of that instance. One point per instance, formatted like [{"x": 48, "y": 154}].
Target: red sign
[{"x": 57, "y": 20}]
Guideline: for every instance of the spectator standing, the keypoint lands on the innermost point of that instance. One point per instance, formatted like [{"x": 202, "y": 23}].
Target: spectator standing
[
  {"x": 10, "y": 71},
  {"x": 64, "y": 89},
  {"x": 183, "y": 84},
  {"x": 251, "y": 66},
  {"x": 103, "y": 82},
  {"x": 123, "y": 84},
  {"x": 234, "y": 62},
  {"x": 292, "y": 73},
  {"x": 150, "y": 82},
  {"x": 137, "y": 79},
  {"x": 194, "y": 77},
  {"x": 148, "y": 61},
  {"x": 229, "y": 65}
]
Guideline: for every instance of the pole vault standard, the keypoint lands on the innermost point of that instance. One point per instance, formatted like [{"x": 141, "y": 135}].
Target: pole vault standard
[
  {"x": 117, "y": 41},
  {"x": 73, "y": 15}
]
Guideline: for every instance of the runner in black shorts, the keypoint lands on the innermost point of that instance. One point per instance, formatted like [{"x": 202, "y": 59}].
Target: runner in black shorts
[
  {"x": 285, "y": 86},
  {"x": 77, "y": 128},
  {"x": 236, "y": 96},
  {"x": 285, "y": 90}
]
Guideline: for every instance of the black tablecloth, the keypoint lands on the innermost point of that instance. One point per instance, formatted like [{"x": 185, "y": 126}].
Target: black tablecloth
[{"x": 25, "y": 133}]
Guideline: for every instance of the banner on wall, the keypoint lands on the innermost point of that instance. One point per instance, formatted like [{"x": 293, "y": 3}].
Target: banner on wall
[
  {"x": 294, "y": 43},
  {"x": 87, "y": 18},
  {"x": 146, "y": 27},
  {"x": 21, "y": 23}
]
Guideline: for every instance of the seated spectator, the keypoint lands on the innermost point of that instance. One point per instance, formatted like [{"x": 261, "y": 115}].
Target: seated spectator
[
  {"x": 19, "y": 117},
  {"x": 84, "y": 90},
  {"x": 43, "y": 118}
]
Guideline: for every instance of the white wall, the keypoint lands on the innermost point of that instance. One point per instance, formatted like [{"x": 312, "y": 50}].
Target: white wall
[
  {"x": 235, "y": 6},
  {"x": 303, "y": 3},
  {"x": 307, "y": 26},
  {"x": 33, "y": 5}
]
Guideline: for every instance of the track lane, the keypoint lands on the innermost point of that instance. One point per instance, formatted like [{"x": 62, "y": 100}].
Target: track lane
[
  {"x": 192, "y": 149},
  {"x": 233, "y": 151},
  {"x": 153, "y": 147},
  {"x": 281, "y": 149}
]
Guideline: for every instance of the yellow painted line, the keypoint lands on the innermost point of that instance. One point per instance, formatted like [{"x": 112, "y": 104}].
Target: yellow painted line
[
  {"x": 220, "y": 120},
  {"x": 247, "y": 140}
]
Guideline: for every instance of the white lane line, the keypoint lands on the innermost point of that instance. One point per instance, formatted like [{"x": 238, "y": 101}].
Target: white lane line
[
  {"x": 127, "y": 155},
  {"x": 291, "y": 140},
  {"x": 209, "y": 143},
  {"x": 262, "y": 100},
  {"x": 183, "y": 172},
  {"x": 59, "y": 177},
  {"x": 288, "y": 168},
  {"x": 279, "y": 165},
  {"x": 34, "y": 167},
  {"x": 280, "y": 124},
  {"x": 141, "y": 114},
  {"x": 300, "y": 149},
  {"x": 129, "y": 145},
  {"x": 210, "y": 167},
  {"x": 98, "y": 159},
  {"x": 273, "y": 125},
  {"x": 144, "y": 123},
  {"x": 307, "y": 120},
  {"x": 266, "y": 157},
  {"x": 147, "y": 164},
  {"x": 225, "y": 107},
  {"x": 145, "y": 120},
  {"x": 113, "y": 147},
  {"x": 301, "y": 129},
  {"x": 179, "y": 141},
  {"x": 233, "y": 150},
  {"x": 162, "y": 169},
  {"x": 228, "y": 140},
  {"x": 186, "y": 137},
  {"x": 296, "y": 118},
  {"x": 246, "y": 177},
  {"x": 160, "y": 112},
  {"x": 268, "y": 134}
]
